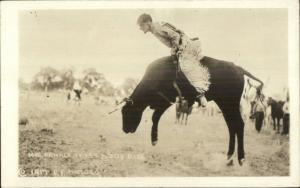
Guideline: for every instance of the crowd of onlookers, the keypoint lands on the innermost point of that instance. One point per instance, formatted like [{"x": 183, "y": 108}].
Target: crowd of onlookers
[
  {"x": 265, "y": 111},
  {"x": 279, "y": 112}
]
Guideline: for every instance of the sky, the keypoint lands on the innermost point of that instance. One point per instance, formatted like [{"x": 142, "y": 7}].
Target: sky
[{"x": 110, "y": 40}]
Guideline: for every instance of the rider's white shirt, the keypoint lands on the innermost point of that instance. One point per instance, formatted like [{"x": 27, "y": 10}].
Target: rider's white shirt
[{"x": 197, "y": 74}]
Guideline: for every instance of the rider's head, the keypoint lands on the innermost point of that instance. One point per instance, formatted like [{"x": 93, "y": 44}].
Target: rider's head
[{"x": 145, "y": 21}]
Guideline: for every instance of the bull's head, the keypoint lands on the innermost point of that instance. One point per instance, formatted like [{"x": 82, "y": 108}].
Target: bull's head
[{"x": 131, "y": 115}]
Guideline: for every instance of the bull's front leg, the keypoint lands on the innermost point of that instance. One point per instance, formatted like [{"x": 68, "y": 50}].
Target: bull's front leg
[{"x": 155, "y": 119}]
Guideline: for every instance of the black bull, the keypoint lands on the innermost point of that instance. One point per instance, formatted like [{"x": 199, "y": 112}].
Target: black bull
[{"x": 156, "y": 90}]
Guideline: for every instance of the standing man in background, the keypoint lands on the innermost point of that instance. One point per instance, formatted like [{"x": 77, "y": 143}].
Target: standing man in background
[{"x": 286, "y": 117}]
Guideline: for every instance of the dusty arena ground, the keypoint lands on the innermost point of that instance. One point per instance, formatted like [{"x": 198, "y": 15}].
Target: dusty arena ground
[{"x": 64, "y": 139}]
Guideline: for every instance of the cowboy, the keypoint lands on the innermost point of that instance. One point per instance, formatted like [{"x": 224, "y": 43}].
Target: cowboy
[
  {"x": 187, "y": 52},
  {"x": 77, "y": 89}
]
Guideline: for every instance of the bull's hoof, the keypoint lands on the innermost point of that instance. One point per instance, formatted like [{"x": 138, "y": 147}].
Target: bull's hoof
[
  {"x": 154, "y": 143},
  {"x": 229, "y": 161},
  {"x": 241, "y": 162}
]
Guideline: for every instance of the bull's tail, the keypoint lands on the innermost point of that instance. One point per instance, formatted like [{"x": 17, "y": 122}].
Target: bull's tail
[
  {"x": 253, "y": 77},
  {"x": 258, "y": 88}
]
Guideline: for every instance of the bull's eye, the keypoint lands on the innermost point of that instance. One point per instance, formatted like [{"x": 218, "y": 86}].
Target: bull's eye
[{"x": 130, "y": 101}]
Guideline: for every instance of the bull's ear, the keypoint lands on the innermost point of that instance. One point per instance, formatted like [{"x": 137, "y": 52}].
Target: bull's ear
[{"x": 123, "y": 100}]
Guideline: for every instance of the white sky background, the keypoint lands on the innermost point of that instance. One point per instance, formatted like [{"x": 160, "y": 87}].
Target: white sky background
[{"x": 111, "y": 42}]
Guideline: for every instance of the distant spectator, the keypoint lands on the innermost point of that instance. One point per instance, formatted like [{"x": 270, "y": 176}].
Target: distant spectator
[
  {"x": 77, "y": 89},
  {"x": 286, "y": 117},
  {"x": 259, "y": 110}
]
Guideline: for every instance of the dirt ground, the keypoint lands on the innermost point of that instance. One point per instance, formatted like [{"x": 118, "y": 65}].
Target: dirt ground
[{"x": 64, "y": 139}]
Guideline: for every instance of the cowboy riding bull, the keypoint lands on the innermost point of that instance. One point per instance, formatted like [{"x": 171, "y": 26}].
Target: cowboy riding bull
[{"x": 156, "y": 89}]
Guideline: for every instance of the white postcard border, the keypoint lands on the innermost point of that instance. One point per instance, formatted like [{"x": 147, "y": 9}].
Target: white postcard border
[{"x": 9, "y": 94}]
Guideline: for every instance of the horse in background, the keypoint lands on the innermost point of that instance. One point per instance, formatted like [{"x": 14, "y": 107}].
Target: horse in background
[{"x": 276, "y": 112}]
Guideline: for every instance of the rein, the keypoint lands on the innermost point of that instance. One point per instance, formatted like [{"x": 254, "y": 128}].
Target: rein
[
  {"x": 164, "y": 97},
  {"x": 117, "y": 108},
  {"x": 175, "y": 85}
]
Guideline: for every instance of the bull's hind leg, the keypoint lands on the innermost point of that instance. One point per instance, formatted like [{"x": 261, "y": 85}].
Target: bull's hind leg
[
  {"x": 231, "y": 140},
  {"x": 240, "y": 137},
  {"x": 155, "y": 118},
  {"x": 235, "y": 125}
]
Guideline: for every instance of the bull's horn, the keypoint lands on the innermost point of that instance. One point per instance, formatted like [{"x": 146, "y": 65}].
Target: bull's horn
[{"x": 126, "y": 99}]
